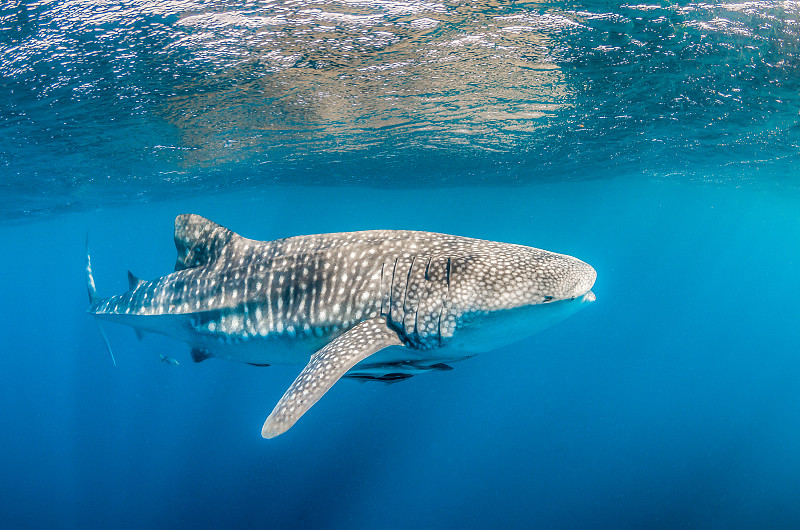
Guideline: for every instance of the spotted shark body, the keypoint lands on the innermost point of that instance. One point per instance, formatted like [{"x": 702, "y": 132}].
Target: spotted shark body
[{"x": 377, "y": 305}]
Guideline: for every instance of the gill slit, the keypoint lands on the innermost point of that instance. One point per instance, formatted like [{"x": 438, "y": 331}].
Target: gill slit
[
  {"x": 405, "y": 292},
  {"x": 380, "y": 289},
  {"x": 444, "y": 300},
  {"x": 416, "y": 312},
  {"x": 391, "y": 290}
]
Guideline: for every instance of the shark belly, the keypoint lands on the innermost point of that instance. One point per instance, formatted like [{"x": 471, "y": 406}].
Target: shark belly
[{"x": 480, "y": 333}]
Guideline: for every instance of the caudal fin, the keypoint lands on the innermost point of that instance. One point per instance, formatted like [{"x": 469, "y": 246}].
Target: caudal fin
[
  {"x": 108, "y": 344},
  {"x": 93, "y": 298}
]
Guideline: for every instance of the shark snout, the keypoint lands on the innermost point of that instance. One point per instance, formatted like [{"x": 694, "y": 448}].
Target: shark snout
[{"x": 585, "y": 276}]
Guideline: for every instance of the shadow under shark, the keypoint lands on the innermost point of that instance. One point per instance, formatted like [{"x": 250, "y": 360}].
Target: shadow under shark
[{"x": 377, "y": 305}]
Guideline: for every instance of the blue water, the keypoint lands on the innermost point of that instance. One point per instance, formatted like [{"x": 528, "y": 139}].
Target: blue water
[{"x": 658, "y": 143}]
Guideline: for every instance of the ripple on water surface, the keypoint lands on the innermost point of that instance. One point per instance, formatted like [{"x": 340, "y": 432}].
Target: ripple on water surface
[{"x": 121, "y": 99}]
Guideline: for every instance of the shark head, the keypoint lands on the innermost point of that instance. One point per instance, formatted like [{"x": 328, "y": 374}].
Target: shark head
[
  {"x": 507, "y": 298},
  {"x": 578, "y": 281}
]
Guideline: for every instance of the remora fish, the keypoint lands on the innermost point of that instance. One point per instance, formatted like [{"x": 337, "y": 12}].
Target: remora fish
[{"x": 380, "y": 304}]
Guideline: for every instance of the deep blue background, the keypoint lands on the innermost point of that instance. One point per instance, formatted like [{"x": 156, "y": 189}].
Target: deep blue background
[
  {"x": 671, "y": 401},
  {"x": 659, "y": 143}
]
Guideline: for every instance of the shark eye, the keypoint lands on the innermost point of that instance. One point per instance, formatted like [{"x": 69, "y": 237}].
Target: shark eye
[{"x": 548, "y": 298}]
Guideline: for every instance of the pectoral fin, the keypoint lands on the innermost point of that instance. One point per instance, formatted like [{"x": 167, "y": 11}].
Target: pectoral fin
[{"x": 325, "y": 368}]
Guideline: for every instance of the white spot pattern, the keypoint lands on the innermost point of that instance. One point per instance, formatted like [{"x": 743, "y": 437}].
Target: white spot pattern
[
  {"x": 325, "y": 279},
  {"x": 423, "y": 285}
]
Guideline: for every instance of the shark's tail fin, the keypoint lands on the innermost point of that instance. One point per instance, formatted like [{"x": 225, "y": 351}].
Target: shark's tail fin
[
  {"x": 94, "y": 298},
  {"x": 108, "y": 344}
]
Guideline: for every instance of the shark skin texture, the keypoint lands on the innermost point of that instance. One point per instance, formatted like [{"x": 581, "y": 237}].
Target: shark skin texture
[{"x": 379, "y": 305}]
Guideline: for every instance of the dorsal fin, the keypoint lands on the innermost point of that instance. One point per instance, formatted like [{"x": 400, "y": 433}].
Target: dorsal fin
[
  {"x": 198, "y": 241},
  {"x": 133, "y": 281}
]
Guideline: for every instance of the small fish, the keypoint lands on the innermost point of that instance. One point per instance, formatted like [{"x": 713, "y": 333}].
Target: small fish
[{"x": 169, "y": 360}]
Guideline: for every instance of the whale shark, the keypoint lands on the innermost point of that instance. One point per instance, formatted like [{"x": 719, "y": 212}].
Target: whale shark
[{"x": 377, "y": 305}]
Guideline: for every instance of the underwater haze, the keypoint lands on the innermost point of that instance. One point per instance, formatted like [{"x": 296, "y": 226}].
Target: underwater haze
[{"x": 659, "y": 143}]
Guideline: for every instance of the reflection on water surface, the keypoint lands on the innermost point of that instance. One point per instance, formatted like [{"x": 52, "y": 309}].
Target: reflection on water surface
[{"x": 205, "y": 94}]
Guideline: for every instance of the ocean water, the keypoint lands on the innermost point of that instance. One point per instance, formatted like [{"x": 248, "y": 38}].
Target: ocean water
[{"x": 660, "y": 143}]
